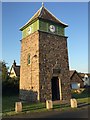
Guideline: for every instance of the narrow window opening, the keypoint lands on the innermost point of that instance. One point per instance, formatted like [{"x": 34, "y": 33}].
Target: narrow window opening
[{"x": 28, "y": 59}]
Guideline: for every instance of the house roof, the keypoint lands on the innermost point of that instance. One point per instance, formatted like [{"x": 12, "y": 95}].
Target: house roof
[
  {"x": 17, "y": 70},
  {"x": 83, "y": 74},
  {"x": 71, "y": 73},
  {"x": 44, "y": 14},
  {"x": 88, "y": 74}
]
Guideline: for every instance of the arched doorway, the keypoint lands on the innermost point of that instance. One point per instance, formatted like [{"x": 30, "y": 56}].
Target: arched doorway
[{"x": 55, "y": 88}]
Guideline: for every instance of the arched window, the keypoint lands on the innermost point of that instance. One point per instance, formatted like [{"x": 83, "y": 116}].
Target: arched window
[{"x": 28, "y": 59}]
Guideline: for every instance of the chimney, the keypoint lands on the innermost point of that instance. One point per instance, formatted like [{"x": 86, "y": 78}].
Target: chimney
[{"x": 14, "y": 63}]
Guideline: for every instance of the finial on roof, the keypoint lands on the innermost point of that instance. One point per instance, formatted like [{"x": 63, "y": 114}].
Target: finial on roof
[{"x": 42, "y": 4}]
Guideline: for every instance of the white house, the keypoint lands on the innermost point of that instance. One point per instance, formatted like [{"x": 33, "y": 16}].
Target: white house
[
  {"x": 86, "y": 80},
  {"x": 14, "y": 71}
]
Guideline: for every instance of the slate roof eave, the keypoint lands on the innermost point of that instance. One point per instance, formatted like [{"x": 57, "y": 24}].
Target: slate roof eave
[
  {"x": 39, "y": 15},
  {"x": 26, "y": 25},
  {"x": 38, "y": 12}
]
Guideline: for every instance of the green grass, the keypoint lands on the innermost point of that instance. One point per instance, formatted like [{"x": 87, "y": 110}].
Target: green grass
[
  {"x": 60, "y": 106},
  {"x": 33, "y": 106},
  {"x": 83, "y": 97},
  {"x": 8, "y": 104},
  {"x": 84, "y": 100}
]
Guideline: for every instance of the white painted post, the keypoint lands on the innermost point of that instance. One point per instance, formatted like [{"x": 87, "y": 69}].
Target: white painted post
[
  {"x": 73, "y": 103},
  {"x": 49, "y": 104},
  {"x": 18, "y": 107},
  {"x": 60, "y": 89}
]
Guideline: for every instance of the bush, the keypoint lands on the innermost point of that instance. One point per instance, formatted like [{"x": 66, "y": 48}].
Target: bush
[
  {"x": 84, "y": 93},
  {"x": 10, "y": 87}
]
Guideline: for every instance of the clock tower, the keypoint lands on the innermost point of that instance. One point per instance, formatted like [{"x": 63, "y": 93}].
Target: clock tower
[{"x": 44, "y": 67}]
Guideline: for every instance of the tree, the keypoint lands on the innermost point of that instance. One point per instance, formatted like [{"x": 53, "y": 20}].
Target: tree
[
  {"x": 0, "y": 70},
  {"x": 4, "y": 71}
]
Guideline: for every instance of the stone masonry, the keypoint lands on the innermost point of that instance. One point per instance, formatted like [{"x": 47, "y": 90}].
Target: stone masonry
[
  {"x": 29, "y": 74},
  {"x": 52, "y": 49},
  {"x": 47, "y": 52}
]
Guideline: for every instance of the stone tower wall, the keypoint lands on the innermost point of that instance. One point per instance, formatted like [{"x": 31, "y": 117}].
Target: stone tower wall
[
  {"x": 29, "y": 73},
  {"x": 48, "y": 49},
  {"x": 53, "y": 48}
]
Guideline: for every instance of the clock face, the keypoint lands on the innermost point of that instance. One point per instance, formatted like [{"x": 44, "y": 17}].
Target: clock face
[
  {"x": 52, "y": 28},
  {"x": 29, "y": 30}
]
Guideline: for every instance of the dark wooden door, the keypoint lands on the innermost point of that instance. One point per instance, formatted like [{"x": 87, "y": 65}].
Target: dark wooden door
[{"x": 55, "y": 88}]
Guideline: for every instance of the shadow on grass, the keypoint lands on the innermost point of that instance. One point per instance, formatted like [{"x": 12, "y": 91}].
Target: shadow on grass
[
  {"x": 37, "y": 106},
  {"x": 8, "y": 103},
  {"x": 61, "y": 106},
  {"x": 80, "y": 105}
]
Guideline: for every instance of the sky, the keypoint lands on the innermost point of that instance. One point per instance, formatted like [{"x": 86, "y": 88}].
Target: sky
[
  {"x": 89, "y": 38},
  {"x": 75, "y": 14}
]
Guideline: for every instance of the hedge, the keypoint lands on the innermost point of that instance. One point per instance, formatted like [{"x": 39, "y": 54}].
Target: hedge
[{"x": 10, "y": 87}]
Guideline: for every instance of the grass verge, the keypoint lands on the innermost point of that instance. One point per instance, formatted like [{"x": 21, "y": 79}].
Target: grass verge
[{"x": 8, "y": 107}]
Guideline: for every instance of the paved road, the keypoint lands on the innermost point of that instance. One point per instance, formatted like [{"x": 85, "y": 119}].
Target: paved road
[{"x": 72, "y": 113}]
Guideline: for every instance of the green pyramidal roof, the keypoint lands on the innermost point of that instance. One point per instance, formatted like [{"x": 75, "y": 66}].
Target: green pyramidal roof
[{"x": 44, "y": 14}]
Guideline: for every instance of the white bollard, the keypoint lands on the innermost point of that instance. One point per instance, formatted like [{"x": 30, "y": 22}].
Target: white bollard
[
  {"x": 49, "y": 104},
  {"x": 73, "y": 103},
  {"x": 18, "y": 107}
]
